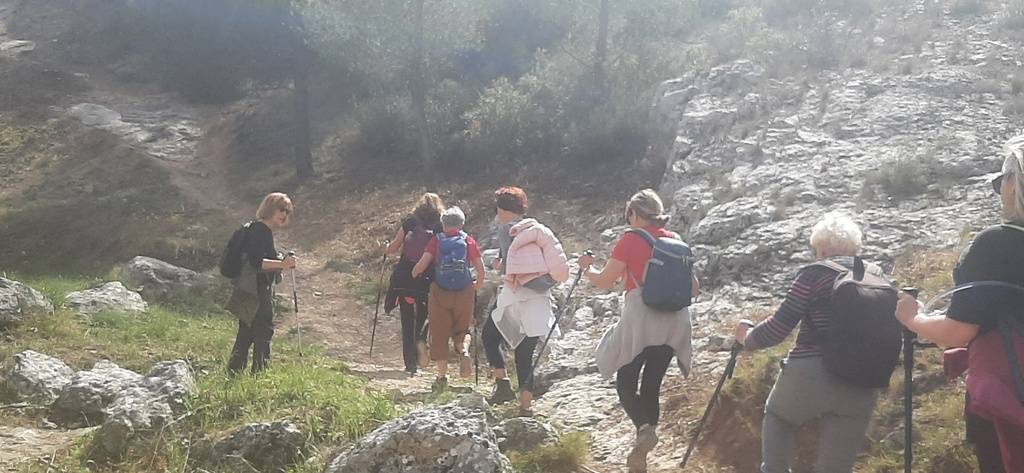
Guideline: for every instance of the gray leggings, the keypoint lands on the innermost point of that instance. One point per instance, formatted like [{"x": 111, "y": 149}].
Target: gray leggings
[{"x": 804, "y": 392}]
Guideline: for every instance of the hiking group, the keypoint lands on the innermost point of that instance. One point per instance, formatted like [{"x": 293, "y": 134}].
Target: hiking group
[{"x": 852, "y": 320}]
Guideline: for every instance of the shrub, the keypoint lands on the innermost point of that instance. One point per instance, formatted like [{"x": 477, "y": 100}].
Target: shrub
[
  {"x": 900, "y": 178},
  {"x": 1014, "y": 107},
  {"x": 566, "y": 456},
  {"x": 967, "y": 8}
]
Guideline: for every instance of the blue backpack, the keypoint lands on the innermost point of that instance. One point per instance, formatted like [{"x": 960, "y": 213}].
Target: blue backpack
[
  {"x": 452, "y": 269},
  {"x": 668, "y": 277}
]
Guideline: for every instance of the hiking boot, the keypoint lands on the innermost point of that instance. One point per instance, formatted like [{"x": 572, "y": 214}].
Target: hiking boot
[
  {"x": 465, "y": 366},
  {"x": 440, "y": 384},
  {"x": 422, "y": 355},
  {"x": 524, "y": 412},
  {"x": 502, "y": 392},
  {"x": 646, "y": 439}
]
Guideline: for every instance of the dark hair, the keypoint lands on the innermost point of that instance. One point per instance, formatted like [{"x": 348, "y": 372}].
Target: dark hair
[{"x": 512, "y": 199}]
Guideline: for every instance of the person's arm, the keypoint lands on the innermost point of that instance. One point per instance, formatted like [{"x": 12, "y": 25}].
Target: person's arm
[
  {"x": 478, "y": 265},
  {"x": 396, "y": 245},
  {"x": 773, "y": 330},
  {"x": 279, "y": 265},
  {"x": 940, "y": 329},
  {"x": 696, "y": 287},
  {"x": 422, "y": 264},
  {"x": 604, "y": 278}
]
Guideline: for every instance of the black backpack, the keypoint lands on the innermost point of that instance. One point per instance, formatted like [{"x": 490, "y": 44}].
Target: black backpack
[
  {"x": 864, "y": 338},
  {"x": 232, "y": 259},
  {"x": 668, "y": 276}
]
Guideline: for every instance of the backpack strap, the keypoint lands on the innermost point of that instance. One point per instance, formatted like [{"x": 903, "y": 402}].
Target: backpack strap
[
  {"x": 1015, "y": 227},
  {"x": 859, "y": 267},
  {"x": 646, "y": 235}
]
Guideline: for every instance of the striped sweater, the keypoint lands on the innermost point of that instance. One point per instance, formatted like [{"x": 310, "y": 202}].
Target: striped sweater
[{"x": 807, "y": 303}]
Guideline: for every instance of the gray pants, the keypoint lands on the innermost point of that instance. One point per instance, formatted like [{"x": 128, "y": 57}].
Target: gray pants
[{"x": 804, "y": 392}]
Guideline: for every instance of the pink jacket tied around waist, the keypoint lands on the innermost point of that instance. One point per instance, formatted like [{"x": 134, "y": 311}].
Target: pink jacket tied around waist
[{"x": 534, "y": 252}]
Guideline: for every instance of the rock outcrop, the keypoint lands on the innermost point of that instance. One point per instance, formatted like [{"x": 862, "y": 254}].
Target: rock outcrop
[
  {"x": 453, "y": 438},
  {"x": 37, "y": 378},
  {"x": 267, "y": 446},
  {"x": 156, "y": 280}
]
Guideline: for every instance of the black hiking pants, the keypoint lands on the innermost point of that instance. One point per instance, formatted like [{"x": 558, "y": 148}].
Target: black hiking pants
[
  {"x": 524, "y": 354},
  {"x": 414, "y": 317},
  {"x": 643, "y": 407},
  {"x": 257, "y": 336}
]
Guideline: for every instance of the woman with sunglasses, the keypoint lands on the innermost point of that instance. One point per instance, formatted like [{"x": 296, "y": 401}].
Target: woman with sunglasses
[
  {"x": 979, "y": 317},
  {"x": 263, "y": 259}
]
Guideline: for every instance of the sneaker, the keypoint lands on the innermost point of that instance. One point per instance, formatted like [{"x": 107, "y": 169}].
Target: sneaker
[
  {"x": 502, "y": 392},
  {"x": 465, "y": 366},
  {"x": 440, "y": 384},
  {"x": 422, "y": 354}
]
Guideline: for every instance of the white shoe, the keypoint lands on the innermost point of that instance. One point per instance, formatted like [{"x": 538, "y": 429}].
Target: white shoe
[{"x": 646, "y": 439}]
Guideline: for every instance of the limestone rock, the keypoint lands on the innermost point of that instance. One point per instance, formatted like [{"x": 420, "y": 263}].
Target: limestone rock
[
  {"x": 112, "y": 296},
  {"x": 83, "y": 401},
  {"x": 524, "y": 434},
  {"x": 450, "y": 438},
  {"x": 136, "y": 416},
  {"x": 268, "y": 446},
  {"x": 18, "y": 301},
  {"x": 37, "y": 378},
  {"x": 155, "y": 279}
]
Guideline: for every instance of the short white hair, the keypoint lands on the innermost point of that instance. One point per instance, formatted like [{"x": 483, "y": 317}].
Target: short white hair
[
  {"x": 1013, "y": 170},
  {"x": 453, "y": 218},
  {"x": 837, "y": 233}
]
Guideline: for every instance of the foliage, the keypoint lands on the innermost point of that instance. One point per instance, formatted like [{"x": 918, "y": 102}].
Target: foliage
[
  {"x": 207, "y": 49},
  {"x": 565, "y": 456},
  {"x": 900, "y": 178}
]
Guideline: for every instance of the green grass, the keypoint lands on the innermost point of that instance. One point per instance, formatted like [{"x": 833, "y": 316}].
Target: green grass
[
  {"x": 565, "y": 456},
  {"x": 331, "y": 406}
]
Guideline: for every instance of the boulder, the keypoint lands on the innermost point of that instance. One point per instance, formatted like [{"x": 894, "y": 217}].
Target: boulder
[
  {"x": 37, "y": 378},
  {"x": 523, "y": 434},
  {"x": 89, "y": 393},
  {"x": 155, "y": 279},
  {"x": 18, "y": 301},
  {"x": 453, "y": 438},
  {"x": 112, "y": 297},
  {"x": 267, "y": 447},
  {"x": 136, "y": 416},
  {"x": 17, "y": 47},
  {"x": 172, "y": 381}
]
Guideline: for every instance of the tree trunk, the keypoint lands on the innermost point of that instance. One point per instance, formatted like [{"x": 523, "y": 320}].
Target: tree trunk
[
  {"x": 303, "y": 155},
  {"x": 300, "y": 97},
  {"x": 601, "y": 49},
  {"x": 418, "y": 91}
]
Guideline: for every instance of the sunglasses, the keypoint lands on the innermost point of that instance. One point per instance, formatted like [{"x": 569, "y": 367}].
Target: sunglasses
[{"x": 997, "y": 183}]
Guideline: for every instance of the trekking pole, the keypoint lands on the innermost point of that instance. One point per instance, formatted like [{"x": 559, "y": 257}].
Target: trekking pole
[
  {"x": 727, "y": 374},
  {"x": 295, "y": 300},
  {"x": 380, "y": 287},
  {"x": 558, "y": 316},
  {"x": 476, "y": 352},
  {"x": 908, "y": 391}
]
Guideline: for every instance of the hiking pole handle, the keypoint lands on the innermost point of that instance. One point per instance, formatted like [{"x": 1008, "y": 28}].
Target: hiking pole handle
[{"x": 908, "y": 395}]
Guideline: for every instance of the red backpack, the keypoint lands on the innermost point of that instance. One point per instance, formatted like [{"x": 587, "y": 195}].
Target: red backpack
[{"x": 416, "y": 242}]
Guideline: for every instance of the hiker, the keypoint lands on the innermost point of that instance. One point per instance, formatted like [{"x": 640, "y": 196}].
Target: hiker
[
  {"x": 531, "y": 261},
  {"x": 644, "y": 339},
  {"x": 264, "y": 264},
  {"x": 408, "y": 293},
  {"x": 994, "y": 414},
  {"x": 805, "y": 390},
  {"x": 452, "y": 293}
]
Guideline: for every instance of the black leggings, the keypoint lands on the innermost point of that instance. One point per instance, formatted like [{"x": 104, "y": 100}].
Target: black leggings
[
  {"x": 643, "y": 408},
  {"x": 524, "y": 354},
  {"x": 981, "y": 434},
  {"x": 414, "y": 316},
  {"x": 257, "y": 336}
]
